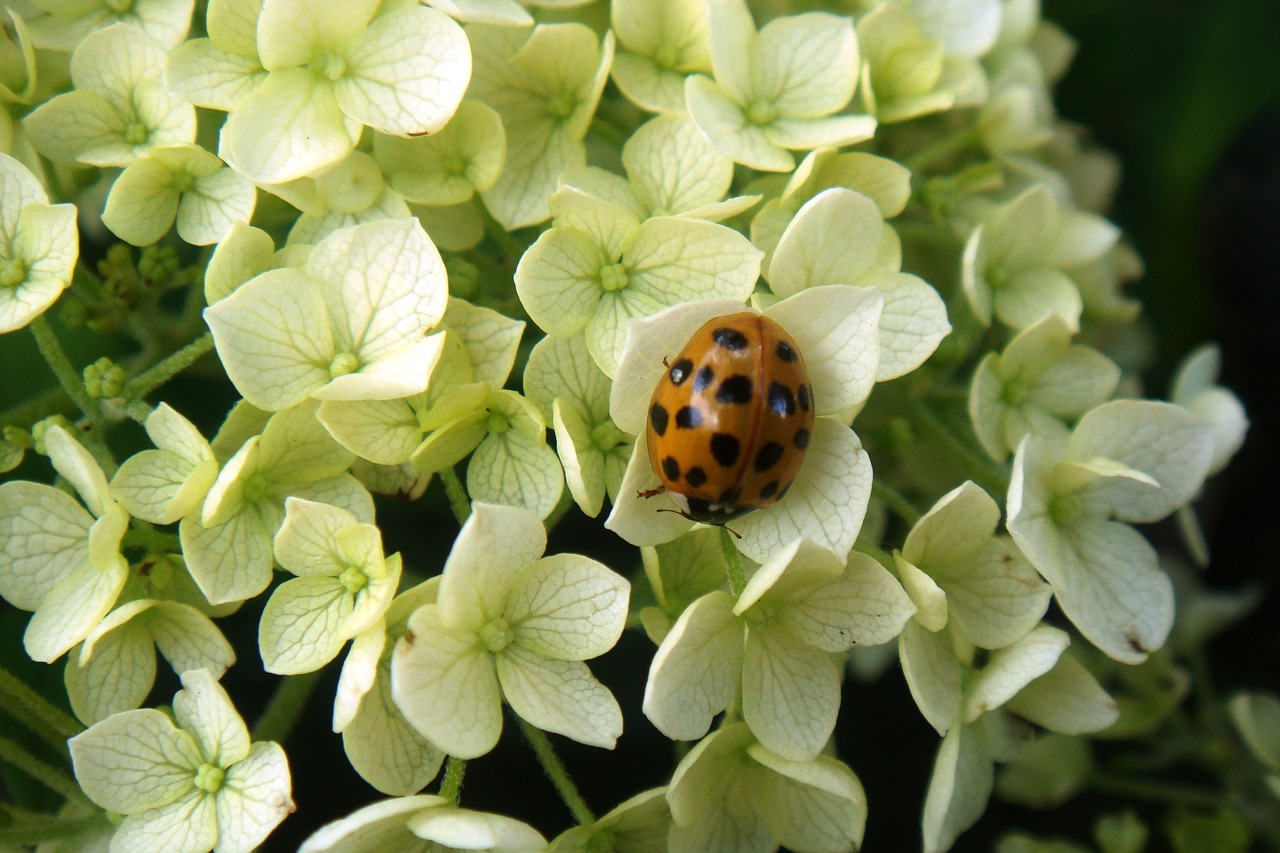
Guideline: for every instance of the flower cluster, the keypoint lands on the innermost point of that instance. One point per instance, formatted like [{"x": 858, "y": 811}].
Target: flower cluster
[{"x": 473, "y": 234}]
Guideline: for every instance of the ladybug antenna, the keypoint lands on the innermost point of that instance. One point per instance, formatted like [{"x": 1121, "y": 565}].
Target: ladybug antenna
[{"x": 664, "y": 362}]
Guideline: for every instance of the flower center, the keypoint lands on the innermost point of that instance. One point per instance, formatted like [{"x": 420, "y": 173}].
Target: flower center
[
  {"x": 1015, "y": 393},
  {"x": 329, "y": 64},
  {"x": 13, "y": 271},
  {"x": 119, "y": 7},
  {"x": 342, "y": 364},
  {"x": 183, "y": 181},
  {"x": 666, "y": 56},
  {"x": 607, "y": 436},
  {"x": 761, "y": 113},
  {"x": 135, "y": 133},
  {"x": 1064, "y": 509},
  {"x": 560, "y": 104},
  {"x": 496, "y": 634},
  {"x": 209, "y": 778},
  {"x": 255, "y": 488},
  {"x": 497, "y": 424},
  {"x": 613, "y": 277},
  {"x": 353, "y": 579},
  {"x": 455, "y": 163}
]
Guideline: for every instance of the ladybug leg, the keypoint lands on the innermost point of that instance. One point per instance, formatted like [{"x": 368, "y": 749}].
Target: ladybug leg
[
  {"x": 648, "y": 493},
  {"x": 736, "y": 534},
  {"x": 665, "y": 363}
]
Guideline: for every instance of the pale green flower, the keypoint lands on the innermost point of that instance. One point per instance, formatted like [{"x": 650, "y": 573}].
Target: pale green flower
[
  {"x": 510, "y": 624},
  {"x": 39, "y": 245},
  {"x": 119, "y": 109},
  {"x": 343, "y": 586},
  {"x": 660, "y": 43},
  {"x": 220, "y": 71},
  {"x": 545, "y": 84},
  {"x": 1037, "y": 386},
  {"x": 352, "y": 324},
  {"x": 600, "y": 266},
  {"x": 777, "y": 89},
  {"x": 1018, "y": 114},
  {"x": 332, "y": 69},
  {"x": 1126, "y": 461},
  {"x": 958, "y": 572},
  {"x": 1014, "y": 264},
  {"x": 423, "y": 824},
  {"x": 671, "y": 171},
  {"x": 18, "y": 65},
  {"x": 115, "y": 668},
  {"x": 780, "y": 644},
  {"x": 182, "y": 182},
  {"x": 907, "y": 74},
  {"x": 835, "y": 327},
  {"x": 679, "y": 573},
  {"x": 382, "y": 746},
  {"x": 967, "y": 28},
  {"x": 164, "y": 485},
  {"x": 244, "y": 253},
  {"x": 465, "y": 157},
  {"x": 639, "y": 825},
  {"x": 63, "y": 561},
  {"x": 840, "y": 237},
  {"x": 351, "y": 192},
  {"x": 189, "y": 784},
  {"x": 227, "y": 544},
  {"x": 572, "y": 393},
  {"x": 66, "y": 23},
  {"x": 732, "y": 795}
]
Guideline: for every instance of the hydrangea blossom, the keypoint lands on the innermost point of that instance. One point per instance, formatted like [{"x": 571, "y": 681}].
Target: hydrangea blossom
[
  {"x": 189, "y": 784},
  {"x": 63, "y": 559},
  {"x": 777, "y": 644},
  {"x": 1126, "y": 461},
  {"x": 351, "y": 324},
  {"x": 510, "y": 624},
  {"x": 38, "y": 246},
  {"x": 424, "y": 822},
  {"x": 835, "y": 327},
  {"x": 333, "y": 69},
  {"x": 344, "y": 584},
  {"x": 777, "y": 89},
  {"x": 64, "y": 25},
  {"x": 639, "y": 825},
  {"x": 119, "y": 109},
  {"x": 660, "y": 42}
]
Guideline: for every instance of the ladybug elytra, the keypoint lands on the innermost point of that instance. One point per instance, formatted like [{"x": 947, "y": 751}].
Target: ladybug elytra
[{"x": 730, "y": 419}]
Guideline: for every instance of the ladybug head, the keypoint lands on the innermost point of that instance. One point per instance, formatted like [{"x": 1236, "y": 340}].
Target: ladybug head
[{"x": 706, "y": 512}]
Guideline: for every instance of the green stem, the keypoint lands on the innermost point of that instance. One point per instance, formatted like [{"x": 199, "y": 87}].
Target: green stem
[
  {"x": 167, "y": 368},
  {"x": 876, "y": 553},
  {"x": 554, "y": 768},
  {"x": 52, "y": 830},
  {"x": 71, "y": 380},
  {"x": 941, "y": 149},
  {"x": 47, "y": 775},
  {"x": 457, "y": 493},
  {"x": 733, "y": 563},
  {"x": 286, "y": 705},
  {"x": 511, "y": 247},
  {"x": 1155, "y": 791},
  {"x": 50, "y": 722},
  {"x": 451, "y": 784},
  {"x": 992, "y": 477},
  {"x": 895, "y": 501}
]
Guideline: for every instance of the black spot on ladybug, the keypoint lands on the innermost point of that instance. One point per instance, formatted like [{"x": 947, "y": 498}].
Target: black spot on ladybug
[
  {"x": 695, "y": 476},
  {"x": 679, "y": 371},
  {"x": 782, "y": 494},
  {"x": 688, "y": 418},
  {"x": 730, "y": 496},
  {"x": 803, "y": 398},
  {"x": 671, "y": 468},
  {"x": 730, "y": 339},
  {"x": 735, "y": 389},
  {"x": 781, "y": 400},
  {"x": 658, "y": 417},
  {"x": 702, "y": 381},
  {"x": 770, "y": 489},
  {"x": 725, "y": 448},
  {"x": 785, "y": 352},
  {"x": 802, "y": 438},
  {"x": 768, "y": 456}
]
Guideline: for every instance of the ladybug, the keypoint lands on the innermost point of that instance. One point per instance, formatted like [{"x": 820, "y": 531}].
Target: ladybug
[{"x": 730, "y": 420}]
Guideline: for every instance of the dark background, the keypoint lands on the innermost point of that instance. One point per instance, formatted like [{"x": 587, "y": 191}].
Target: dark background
[{"x": 1188, "y": 94}]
